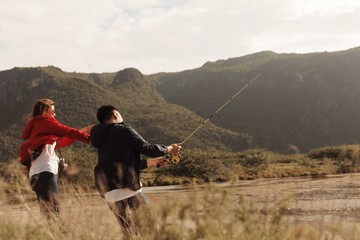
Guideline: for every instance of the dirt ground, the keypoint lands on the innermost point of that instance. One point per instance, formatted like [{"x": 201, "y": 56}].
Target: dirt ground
[{"x": 327, "y": 199}]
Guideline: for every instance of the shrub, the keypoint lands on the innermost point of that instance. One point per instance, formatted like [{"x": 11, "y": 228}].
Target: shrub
[
  {"x": 339, "y": 152},
  {"x": 201, "y": 165},
  {"x": 326, "y": 152}
]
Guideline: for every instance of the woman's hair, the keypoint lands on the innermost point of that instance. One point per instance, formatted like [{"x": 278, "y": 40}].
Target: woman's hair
[
  {"x": 41, "y": 106},
  {"x": 104, "y": 113}
]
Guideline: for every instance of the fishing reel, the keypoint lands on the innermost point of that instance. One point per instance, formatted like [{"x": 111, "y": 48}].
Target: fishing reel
[
  {"x": 173, "y": 158},
  {"x": 170, "y": 158}
]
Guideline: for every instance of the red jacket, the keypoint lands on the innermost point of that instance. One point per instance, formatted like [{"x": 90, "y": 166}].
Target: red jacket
[{"x": 45, "y": 129}]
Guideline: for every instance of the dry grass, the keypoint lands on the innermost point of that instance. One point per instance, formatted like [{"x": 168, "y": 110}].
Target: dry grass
[
  {"x": 199, "y": 212},
  {"x": 210, "y": 212}
]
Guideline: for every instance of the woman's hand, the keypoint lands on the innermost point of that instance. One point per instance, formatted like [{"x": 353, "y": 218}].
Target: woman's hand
[{"x": 87, "y": 129}]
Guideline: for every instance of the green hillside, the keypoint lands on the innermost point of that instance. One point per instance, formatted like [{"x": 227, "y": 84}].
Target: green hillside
[
  {"x": 301, "y": 101},
  {"x": 78, "y": 95}
]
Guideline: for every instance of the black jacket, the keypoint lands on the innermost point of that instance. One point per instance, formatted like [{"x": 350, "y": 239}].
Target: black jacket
[{"x": 119, "y": 163}]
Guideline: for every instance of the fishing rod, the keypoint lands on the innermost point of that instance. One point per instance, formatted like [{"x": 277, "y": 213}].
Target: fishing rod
[{"x": 176, "y": 159}]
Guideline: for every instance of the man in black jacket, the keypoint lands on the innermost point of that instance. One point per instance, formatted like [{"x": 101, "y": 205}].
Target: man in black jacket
[{"x": 117, "y": 174}]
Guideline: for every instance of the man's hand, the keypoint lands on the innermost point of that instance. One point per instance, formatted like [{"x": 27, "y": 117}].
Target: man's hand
[
  {"x": 174, "y": 149},
  {"x": 157, "y": 162}
]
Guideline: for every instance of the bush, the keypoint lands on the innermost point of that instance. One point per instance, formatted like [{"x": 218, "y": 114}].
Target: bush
[
  {"x": 201, "y": 165},
  {"x": 333, "y": 152}
]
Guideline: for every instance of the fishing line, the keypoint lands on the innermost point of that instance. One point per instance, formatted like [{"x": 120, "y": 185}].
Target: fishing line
[{"x": 176, "y": 159}]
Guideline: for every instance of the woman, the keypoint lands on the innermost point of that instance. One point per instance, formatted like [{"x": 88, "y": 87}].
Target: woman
[{"x": 43, "y": 134}]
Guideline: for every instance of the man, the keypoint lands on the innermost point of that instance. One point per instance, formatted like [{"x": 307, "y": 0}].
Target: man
[{"x": 117, "y": 174}]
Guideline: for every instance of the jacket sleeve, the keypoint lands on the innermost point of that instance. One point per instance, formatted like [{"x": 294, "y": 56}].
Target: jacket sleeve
[
  {"x": 53, "y": 127},
  {"x": 143, "y": 146}
]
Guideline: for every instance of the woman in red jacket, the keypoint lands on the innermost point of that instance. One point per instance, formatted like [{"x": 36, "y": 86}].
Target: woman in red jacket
[{"x": 43, "y": 134}]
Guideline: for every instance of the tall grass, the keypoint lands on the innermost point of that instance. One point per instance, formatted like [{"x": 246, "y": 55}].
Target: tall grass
[
  {"x": 202, "y": 212},
  {"x": 213, "y": 213}
]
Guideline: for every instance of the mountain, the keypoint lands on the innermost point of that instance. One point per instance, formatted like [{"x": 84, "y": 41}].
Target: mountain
[
  {"x": 300, "y": 102},
  {"x": 78, "y": 95}
]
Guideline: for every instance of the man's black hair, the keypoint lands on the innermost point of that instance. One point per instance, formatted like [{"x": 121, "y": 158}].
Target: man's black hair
[{"x": 104, "y": 113}]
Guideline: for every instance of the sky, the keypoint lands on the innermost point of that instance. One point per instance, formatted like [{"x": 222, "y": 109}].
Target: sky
[{"x": 96, "y": 36}]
